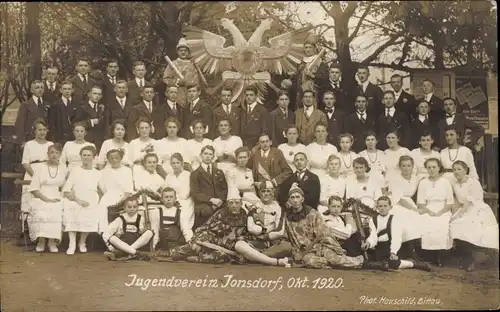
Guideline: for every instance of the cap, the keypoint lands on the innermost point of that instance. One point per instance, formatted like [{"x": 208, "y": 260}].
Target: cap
[
  {"x": 182, "y": 44},
  {"x": 233, "y": 194},
  {"x": 295, "y": 189}
]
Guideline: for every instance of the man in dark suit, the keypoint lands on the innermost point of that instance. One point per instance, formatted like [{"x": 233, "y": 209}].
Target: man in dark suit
[
  {"x": 135, "y": 85},
  {"x": 306, "y": 180},
  {"x": 226, "y": 110},
  {"x": 91, "y": 114},
  {"x": 196, "y": 109},
  {"x": 109, "y": 81},
  {"x": 436, "y": 104},
  {"x": 338, "y": 87},
  {"x": 62, "y": 115},
  {"x": 360, "y": 122},
  {"x": 145, "y": 108},
  {"x": 255, "y": 119},
  {"x": 373, "y": 93},
  {"x": 467, "y": 129},
  {"x": 392, "y": 119},
  {"x": 169, "y": 109},
  {"x": 421, "y": 124},
  {"x": 335, "y": 118},
  {"x": 51, "y": 91},
  {"x": 82, "y": 82},
  {"x": 307, "y": 117},
  {"x": 281, "y": 119},
  {"x": 30, "y": 111},
  {"x": 208, "y": 187},
  {"x": 117, "y": 108},
  {"x": 404, "y": 102},
  {"x": 269, "y": 166}
]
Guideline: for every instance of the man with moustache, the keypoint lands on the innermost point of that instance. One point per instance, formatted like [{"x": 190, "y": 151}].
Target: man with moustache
[
  {"x": 82, "y": 82},
  {"x": 146, "y": 108},
  {"x": 372, "y": 92},
  {"x": 51, "y": 88},
  {"x": 62, "y": 114},
  {"x": 335, "y": 118},
  {"x": 359, "y": 123},
  {"x": 307, "y": 117},
  {"x": 29, "y": 111},
  {"x": 226, "y": 110},
  {"x": 91, "y": 113},
  {"x": 118, "y": 107},
  {"x": 404, "y": 102}
]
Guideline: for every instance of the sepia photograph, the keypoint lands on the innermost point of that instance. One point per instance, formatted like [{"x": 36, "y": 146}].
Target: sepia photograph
[{"x": 249, "y": 156}]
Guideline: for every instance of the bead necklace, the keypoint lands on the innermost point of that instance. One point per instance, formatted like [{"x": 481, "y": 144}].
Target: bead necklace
[
  {"x": 350, "y": 160},
  {"x": 57, "y": 170},
  {"x": 456, "y": 155},
  {"x": 376, "y": 156}
]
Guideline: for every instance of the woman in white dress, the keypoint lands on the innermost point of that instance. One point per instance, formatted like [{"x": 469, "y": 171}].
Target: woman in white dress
[
  {"x": 292, "y": 147},
  {"x": 144, "y": 144},
  {"x": 455, "y": 152},
  {"x": 45, "y": 218},
  {"x": 473, "y": 226},
  {"x": 116, "y": 183},
  {"x": 149, "y": 178},
  {"x": 361, "y": 186},
  {"x": 34, "y": 157},
  {"x": 171, "y": 144},
  {"x": 393, "y": 153},
  {"x": 434, "y": 202},
  {"x": 117, "y": 130},
  {"x": 194, "y": 145},
  {"x": 319, "y": 151},
  {"x": 332, "y": 184},
  {"x": 225, "y": 145},
  {"x": 346, "y": 155},
  {"x": 241, "y": 177},
  {"x": 375, "y": 157},
  {"x": 420, "y": 155},
  {"x": 178, "y": 179},
  {"x": 70, "y": 155},
  {"x": 81, "y": 202}
]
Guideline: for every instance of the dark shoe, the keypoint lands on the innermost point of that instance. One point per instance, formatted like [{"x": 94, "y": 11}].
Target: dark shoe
[
  {"x": 424, "y": 266},
  {"x": 143, "y": 255},
  {"x": 195, "y": 259},
  {"x": 376, "y": 265},
  {"x": 115, "y": 254},
  {"x": 162, "y": 253}
]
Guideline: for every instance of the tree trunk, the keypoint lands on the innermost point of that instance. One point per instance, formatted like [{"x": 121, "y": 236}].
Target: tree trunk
[
  {"x": 438, "y": 53},
  {"x": 33, "y": 42}
]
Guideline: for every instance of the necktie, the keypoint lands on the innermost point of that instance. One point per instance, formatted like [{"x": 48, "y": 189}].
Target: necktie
[
  {"x": 122, "y": 103},
  {"x": 150, "y": 108},
  {"x": 68, "y": 102},
  {"x": 249, "y": 109},
  {"x": 140, "y": 83},
  {"x": 85, "y": 79},
  {"x": 299, "y": 175},
  {"x": 208, "y": 170},
  {"x": 174, "y": 109},
  {"x": 449, "y": 115},
  {"x": 95, "y": 107},
  {"x": 362, "y": 117},
  {"x": 39, "y": 102},
  {"x": 52, "y": 88},
  {"x": 113, "y": 80},
  {"x": 226, "y": 109},
  {"x": 329, "y": 110}
]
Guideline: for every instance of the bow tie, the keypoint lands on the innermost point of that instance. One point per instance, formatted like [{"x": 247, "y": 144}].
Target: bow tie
[
  {"x": 450, "y": 115},
  {"x": 329, "y": 110}
]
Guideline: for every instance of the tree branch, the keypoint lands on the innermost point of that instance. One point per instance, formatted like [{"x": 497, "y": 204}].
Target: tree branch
[
  {"x": 361, "y": 20},
  {"x": 392, "y": 41}
]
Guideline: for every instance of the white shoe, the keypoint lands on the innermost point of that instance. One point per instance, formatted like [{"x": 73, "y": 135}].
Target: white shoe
[
  {"x": 82, "y": 248},
  {"x": 53, "y": 248},
  {"x": 71, "y": 250},
  {"x": 40, "y": 248}
]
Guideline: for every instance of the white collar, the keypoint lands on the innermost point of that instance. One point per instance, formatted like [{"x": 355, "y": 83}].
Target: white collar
[
  {"x": 196, "y": 101},
  {"x": 147, "y": 103},
  {"x": 422, "y": 117},
  {"x": 428, "y": 96},
  {"x": 332, "y": 108},
  {"x": 35, "y": 98},
  {"x": 309, "y": 109},
  {"x": 392, "y": 110},
  {"x": 265, "y": 153},
  {"x": 170, "y": 103},
  {"x": 283, "y": 111},
  {"x": 252, "y": 106},
  {"x": 112, "y": 77},
  {"x": 124, "y": 99},
  {"x": 335, "y": 82},
  {"x": 361, "y": 113},
  {"x": 65, "y": 100},
  {"x": 50, "y": 83},
  {"x": 139, "y": 80},
  {"x": 365, "y": 84},
  {"x": 398, "y": 94},
  {"x": 92, "y": 104}
]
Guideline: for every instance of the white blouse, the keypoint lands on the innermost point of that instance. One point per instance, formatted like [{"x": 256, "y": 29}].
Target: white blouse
[
  {"x": 193, "y": 150},
  {"x": 419, "y": 159},
  {"x": 71, "y": 154},
  {"x": 463, "y": 153},
  {"x": 290, "y": 151},
  {"x": 110, "y": 144}
]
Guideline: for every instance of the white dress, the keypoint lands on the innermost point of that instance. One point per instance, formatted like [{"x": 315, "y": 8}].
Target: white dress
[
  {"x": 114, "y": 183},
  {"x": 331, "y": 187},
  {"x": 45, "y": 219},
  {"x": 182, "y": 188},
  {"x": 419, "y": 158},
  {"x": 226, "y": 147},
  {"x": 392, "y": 160},
  {"x": 242, "y": 179},
  {"x": 318, "y": 157},
  {"x": 193, "y": 150},
  {"x": 110, "y": 144},
  {"x": 136, "y": 152},
  {"x": 367, "y": 192},
  {"x": 463, "y": 153},
  {"x": 84, "y": 184},
  {"x": 478, "y": 225},
  {"x": 146, "y": 180},
  {"x": 290, "y": 151},
  {"x": 435, "y": 195},
  {"x": 402, "y": 189},
  {"x": 346, "y": 168},
  {"x": 33, "y": 152},
  {"x": 376, "y": 161},
  {"x": 70, "y": 154},
  {"x": 167, "y": 147}
]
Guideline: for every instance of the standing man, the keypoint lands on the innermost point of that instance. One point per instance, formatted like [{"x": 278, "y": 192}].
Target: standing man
[
  {"x": 226, "y": 110},
  {"x": 335, "y": 119},
  {"x": 172, "y": 108},
  {"x": 30, "y": 111},
  {"x": 82, "y": 82},
  {"x": 146, "y": 108},
  {"x": 373, "y": 93},
  {"x": 62, "y": 115},
  {"x": 197, "y": 109},
  {"x": 109, "y": 81},
  {"x": 359, "y": 123},
  {"x": 404, "y": 102},
  {"x": 281, "y": 118},
  {"x": 91, "y": 114},
  {"x": 118, "y": 107},
  {"x": 307, "y": 117},
  {"x": 254, "y": 118},
  {"x": 436, "y": 104},
  {"x": 135, "y": 85},
  {"x": 392, "y": 119},
  {"x": 51, "y": 88},
  {"x": 339, "y": 88}
]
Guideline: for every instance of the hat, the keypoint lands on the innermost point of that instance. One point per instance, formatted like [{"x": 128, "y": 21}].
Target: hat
[
  {"x": 182, "y": 44},
  {"x": 295, "y": 189},
  {"x": 233, "y": 194}
]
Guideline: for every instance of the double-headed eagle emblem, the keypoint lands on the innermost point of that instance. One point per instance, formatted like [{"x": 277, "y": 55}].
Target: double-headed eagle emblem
[{"x": 246, "y": 61}]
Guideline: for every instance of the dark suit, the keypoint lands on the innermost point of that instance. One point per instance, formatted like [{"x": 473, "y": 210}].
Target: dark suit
[
  {"x": 418, "y": 128},
  {"x": 114, "y": 111},
  {"x": 436, "y": 106},
  {"x": 203, "y": 188},
  {"x": 274, "y": 169},
  {"x": 61, "y": 118},
  {"x": 28, "y": 112},
  {"x": 336, "y": 126},
  {"x": 81, "y": 89},
  {"x": 307, "y": 124},
  {"x": 234, "y": 115},
  {"x": 374, "y": 96},
  {"x": 357, "y": 128},
  {"x": 140, "y": 110},
  {"x": 134, "y": 92},
  {"x": 406, "y": 104},
  {"x": 461, "y": 123},
  {"x": 50, "y": 96},
  {"x": 201, "y": 110},
  {"x": 309, "y": 184},
  {"x": 108, "y": 89},
  {"x": 253, "y": 124},
  {"x": 343, "y": 100},
  {"x": 279, "y": 124},
  {"x": 385, "y": 124},
  {"x": 164, "y": 113},
  {"x": 84, "y": 113}
]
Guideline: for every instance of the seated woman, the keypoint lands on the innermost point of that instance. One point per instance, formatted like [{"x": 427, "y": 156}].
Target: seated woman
[
  {"x": 374, "y": 157},
  {"x": 393, "y": 153},
  {"x": 81, "y": 201},
  {"x": 319, "y": 151},
  {"x": 70, "y": 155},
  {"x": 225, "y": 145},
  {"x": 473, "y": 226},
  {"x": 171, "y": 144},
  {"x": 149, "y": 178},
  {"x": 420, "y": 155},
  {"x": 144, "y": 144},
  {"x": 455, "y": 152},
  {"x": 332, "y": 184},
  {"x": 194, "y": 145},
  {"x": 127, "y": 233},
  {"x": 117, "y": 141},
  {"x": 291, "y": 147},
  {"x": 386, "y": 238},
  {"x": 45, "y": 218},
  {"x": 346, "y": 155},
  {"x": 116, "y": 183},
  {"x": 241, "y": 177},
  {"x": 361, "y": 186}
]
